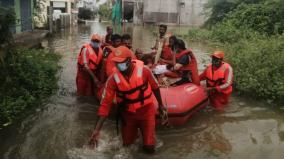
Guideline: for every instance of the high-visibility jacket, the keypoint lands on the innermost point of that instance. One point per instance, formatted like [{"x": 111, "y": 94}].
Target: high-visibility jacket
[
  {"x": 92, "y": 58},
  {"x": 134, "y": 93},
  {"x": 217, "y": 78},
  {"x": 191, "y": 66}
]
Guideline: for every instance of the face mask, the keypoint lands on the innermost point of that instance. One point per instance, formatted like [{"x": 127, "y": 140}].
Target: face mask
[
  {"x": 122, "y": 66},
  {"x": 95, "y": 44}
]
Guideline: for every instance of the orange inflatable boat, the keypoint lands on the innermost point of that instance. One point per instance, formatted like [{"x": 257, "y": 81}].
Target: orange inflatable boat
[{"x": 182, "y": 101}]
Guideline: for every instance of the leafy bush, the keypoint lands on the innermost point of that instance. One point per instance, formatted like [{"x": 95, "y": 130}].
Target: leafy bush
[
  {"x": 218, "y": 9},
  {"x": 85, "y": 13},
  {"x": 199, "y": 34},
  {"x": 27, "y": 79},
  {"x": 266, "y": 18},
  {"x": 105, "y": 12},
  {"x": 259, "y": 67}
]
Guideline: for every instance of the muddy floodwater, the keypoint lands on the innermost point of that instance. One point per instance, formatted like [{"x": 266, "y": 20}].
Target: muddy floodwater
[{"x": 246, "y": 129}]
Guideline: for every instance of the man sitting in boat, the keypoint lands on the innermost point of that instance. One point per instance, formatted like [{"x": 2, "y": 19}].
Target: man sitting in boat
[
  {"x": 185, "y": 65},
  {"x": 161, "y": 42},
  {"x": 106, "y": 40},
  {"x": 168, "y": 51}
]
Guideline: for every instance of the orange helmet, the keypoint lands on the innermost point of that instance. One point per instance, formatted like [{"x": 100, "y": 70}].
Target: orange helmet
[
  {"x": 218, "y": 54},
  {"x": 96, "y": 37},
  {"x": 121, "y": 54}
]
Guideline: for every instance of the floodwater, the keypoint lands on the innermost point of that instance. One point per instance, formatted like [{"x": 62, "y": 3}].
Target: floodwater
[{"x": 245, "y": 129}]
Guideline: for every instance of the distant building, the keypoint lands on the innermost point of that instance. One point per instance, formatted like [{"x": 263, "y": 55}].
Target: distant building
[
  {"x": 24, "y": 14},
  {"x": 178, "y": 12},
  {"x": 59, "y": 6}
]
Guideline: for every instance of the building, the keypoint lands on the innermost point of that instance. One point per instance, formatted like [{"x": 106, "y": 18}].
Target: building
[
  {"x": 177, "y": 12},
  {"x": 24, "y": 14},
  {"x": 58, "y": 6}
]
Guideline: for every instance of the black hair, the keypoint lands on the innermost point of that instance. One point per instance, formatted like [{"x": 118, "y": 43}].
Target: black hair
[
  {"x": 114, "y": 37},
  {"x": 109, "y": 27},
  {"x": 163, "y": 26},
  {"x": 147, "y": 57},
  {"x": 180, "y": 44},
  {"x": 174, "y": 38},
  {"x": 126, "y": 37}
]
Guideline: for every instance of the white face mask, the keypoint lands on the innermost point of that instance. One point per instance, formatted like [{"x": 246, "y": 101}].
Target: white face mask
[{"x": 122, "y": 66}]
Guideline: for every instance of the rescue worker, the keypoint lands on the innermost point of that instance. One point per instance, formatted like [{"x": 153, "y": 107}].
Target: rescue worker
[
  {"x": 219, "y": 80},
  {"x": 106, "y": 40},
  {"x": 89, "y": 61},
  {"x": 161, "y": 42},
  {"x": 127, "y": 41},
  {"x": 133, "y": 85},
  {"x": 185, "y": 65}
]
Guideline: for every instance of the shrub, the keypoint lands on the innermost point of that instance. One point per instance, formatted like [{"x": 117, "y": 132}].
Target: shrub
[
  {"x": 266, "y": 18},
  {"x": 105, "y": 12},
  {"x": 27, "y": 79},
  {"x": 85, "y": 13},
  {"x": 259, "y": 67}
]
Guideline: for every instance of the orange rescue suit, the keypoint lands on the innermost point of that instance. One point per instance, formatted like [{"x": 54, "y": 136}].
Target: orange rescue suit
[
  {"x": 220, "y": 78},
  {"x": 136, "y": 93},
  {"x": 85, "y": 84},
  {"x": 192, "y": 66}
]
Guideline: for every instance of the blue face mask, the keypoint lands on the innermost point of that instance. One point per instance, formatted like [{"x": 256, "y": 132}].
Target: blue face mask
[
  {"x": 122, "y": 66},
  {"x": 95, "y": 44}
]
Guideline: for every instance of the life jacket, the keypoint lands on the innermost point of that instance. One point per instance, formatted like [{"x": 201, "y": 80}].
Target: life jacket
[
  {"x": 217, "y": 77},
  {"x": 93, "y": 59},
  {"x": 192, "y": 66},
  {"x": 167, "y": 53},
  {"x": 133, "y": 94}
]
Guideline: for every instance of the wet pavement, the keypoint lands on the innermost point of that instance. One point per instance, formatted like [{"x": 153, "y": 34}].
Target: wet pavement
[{"x": 245, "y": 129}]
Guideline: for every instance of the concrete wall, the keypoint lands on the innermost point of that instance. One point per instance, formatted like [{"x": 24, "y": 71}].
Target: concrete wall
[
  {"x": 191, "y": 13},
  {"x": 160, "y": 11},
  {"x": 169, "y": 11}
]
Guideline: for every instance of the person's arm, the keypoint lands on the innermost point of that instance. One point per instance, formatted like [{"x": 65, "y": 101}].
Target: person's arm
[
  {"x": 104, "y": 109},
  {"x": 184, "y": 60},
  {"x": 156, "y": 90},
  {"x": 228, "y": 79},
  {"x": 202, "y": 76},
  {"x": 90, "y": 72},
  {"x": 170, "y": 62}
]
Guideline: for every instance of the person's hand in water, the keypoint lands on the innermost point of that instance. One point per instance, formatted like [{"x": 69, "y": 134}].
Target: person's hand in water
[{"x": 93, "y": 142}]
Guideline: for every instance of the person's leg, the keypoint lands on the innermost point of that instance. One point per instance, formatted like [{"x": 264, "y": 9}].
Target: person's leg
[
  {"x": 129, "y": 130},
  {"x": 218, "y": 100},
  {"x": 147, "y": 127},
  {"x": 82, "y": 84}
]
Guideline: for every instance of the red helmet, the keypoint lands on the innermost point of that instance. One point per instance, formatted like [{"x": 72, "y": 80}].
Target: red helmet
[
  {"x": 96, "y": 37},
  {"x": 121, "y": 54},
  {"x": 218, "y": 54}
]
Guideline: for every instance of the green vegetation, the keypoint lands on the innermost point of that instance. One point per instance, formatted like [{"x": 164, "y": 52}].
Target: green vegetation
[
  {"x": 27, "y": 77},
  {"x": 251, "y": 34},
  {"x": 104, "y": 12},
  {"x": 85, "y": 14}
]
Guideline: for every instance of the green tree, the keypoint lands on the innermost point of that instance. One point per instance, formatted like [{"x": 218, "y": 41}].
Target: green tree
[{"x": 105, "y": 12}]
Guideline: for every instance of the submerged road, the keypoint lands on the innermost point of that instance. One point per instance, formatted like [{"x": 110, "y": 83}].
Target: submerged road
[{"x": 245, "y": 129}]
